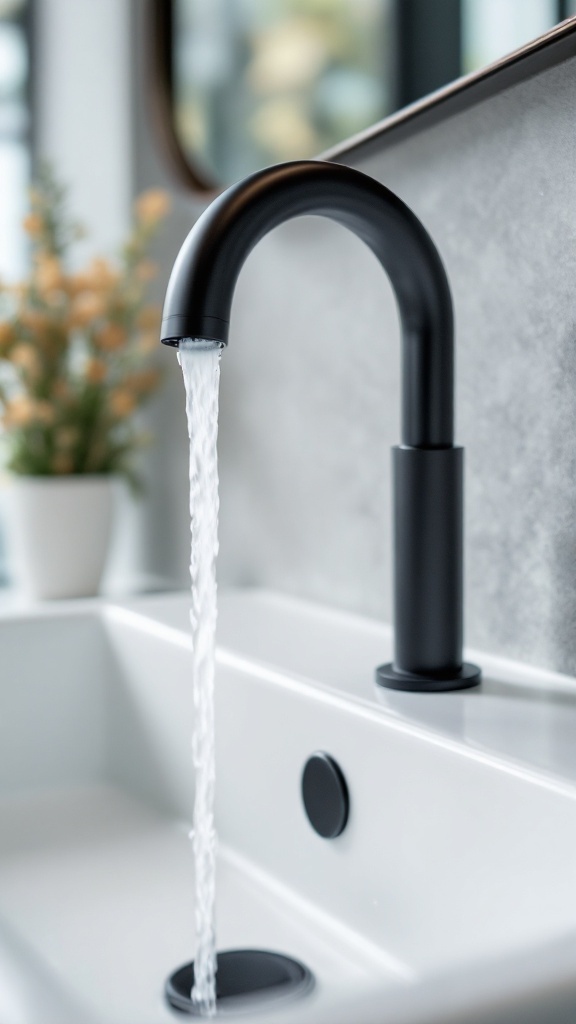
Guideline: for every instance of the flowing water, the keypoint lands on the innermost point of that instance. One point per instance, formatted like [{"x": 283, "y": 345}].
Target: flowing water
[{"x": 201, "y": 369}]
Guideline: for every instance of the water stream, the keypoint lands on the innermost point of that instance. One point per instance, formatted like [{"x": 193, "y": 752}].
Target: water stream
[{"x": 201, "y": 369}]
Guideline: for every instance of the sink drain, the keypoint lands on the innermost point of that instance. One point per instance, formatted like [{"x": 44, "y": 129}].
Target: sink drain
[{"x": 245, "y": 977}]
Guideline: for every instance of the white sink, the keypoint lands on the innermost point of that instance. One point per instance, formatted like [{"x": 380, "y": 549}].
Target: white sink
[{"x": 450, "y": 896}]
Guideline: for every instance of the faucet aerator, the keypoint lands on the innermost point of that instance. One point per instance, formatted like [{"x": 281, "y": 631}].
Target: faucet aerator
[{"x": 195, "y": 344}]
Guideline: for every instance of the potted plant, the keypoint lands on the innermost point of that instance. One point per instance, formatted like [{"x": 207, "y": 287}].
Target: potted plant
[{"x": 76, "y": 363}]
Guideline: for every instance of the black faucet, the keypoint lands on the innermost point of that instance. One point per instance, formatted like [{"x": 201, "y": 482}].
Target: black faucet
[{"x": 427, "y": 467}]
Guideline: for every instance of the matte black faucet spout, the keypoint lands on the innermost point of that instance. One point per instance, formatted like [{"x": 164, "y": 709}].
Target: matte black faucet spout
[{"x": 428, "y": 469}]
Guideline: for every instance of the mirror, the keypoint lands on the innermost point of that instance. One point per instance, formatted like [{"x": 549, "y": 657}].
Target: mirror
[{"x": 255, "y": 82}]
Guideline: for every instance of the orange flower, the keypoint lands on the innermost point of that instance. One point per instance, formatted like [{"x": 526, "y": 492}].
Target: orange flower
[
  {"x": 25, "y": 357},
  {"x": 24, "y": 411},
  {"x": 48, "y": 273},
  {"x": 33, "y": 224},
  {"x": 95, "y": 371},
  {"x": 77, "y": 283},
  {"x": 122, "y": 403},
  {"x": 110, "y": 338},
  {"x": 6, "y": 336},
  {"x": 34, "y": 320},
  {"x": 19, "y": 412},
  {"x": 101, "y": 275},
  {"x": 86, "y": 307},
  {"x": 151, "y": 206},
  {"x": 66, "y": 437}
]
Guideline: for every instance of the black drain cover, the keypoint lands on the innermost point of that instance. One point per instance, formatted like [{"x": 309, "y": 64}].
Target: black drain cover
[{"x": 243, "y": 976}]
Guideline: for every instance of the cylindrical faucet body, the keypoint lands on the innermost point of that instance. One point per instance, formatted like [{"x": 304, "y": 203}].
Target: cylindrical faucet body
[
  {"x": 427, "y": 487},
  {"x": 428, "y": 509}
]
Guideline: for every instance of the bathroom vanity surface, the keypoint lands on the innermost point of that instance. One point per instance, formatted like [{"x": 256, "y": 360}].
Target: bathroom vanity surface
[{"x": 450, "y": 895}]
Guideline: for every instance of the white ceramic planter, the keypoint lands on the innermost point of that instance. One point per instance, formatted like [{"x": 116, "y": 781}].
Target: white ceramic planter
[{"x": 57, "y": 534}]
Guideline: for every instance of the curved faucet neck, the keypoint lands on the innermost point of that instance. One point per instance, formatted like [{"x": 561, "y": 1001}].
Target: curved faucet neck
[{"x": 201, "y": 288}]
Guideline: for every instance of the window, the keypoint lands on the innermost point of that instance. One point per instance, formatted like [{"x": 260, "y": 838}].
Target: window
[{"x": 14, "y": 134}]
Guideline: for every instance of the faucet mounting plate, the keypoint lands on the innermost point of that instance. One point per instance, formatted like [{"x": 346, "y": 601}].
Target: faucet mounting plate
[{"x": 387, "y": 675}]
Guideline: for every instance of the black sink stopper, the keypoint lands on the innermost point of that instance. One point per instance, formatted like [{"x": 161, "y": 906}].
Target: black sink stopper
[{"x": 325, "y": 795}]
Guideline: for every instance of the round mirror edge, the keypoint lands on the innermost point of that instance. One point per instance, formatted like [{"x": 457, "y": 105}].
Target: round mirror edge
[{"x": 159, "y": 80}]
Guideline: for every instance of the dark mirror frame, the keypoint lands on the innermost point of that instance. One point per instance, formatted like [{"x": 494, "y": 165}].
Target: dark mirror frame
[
  {"x": 549, "y": 49},
  {"x": 159, "y": 32}
]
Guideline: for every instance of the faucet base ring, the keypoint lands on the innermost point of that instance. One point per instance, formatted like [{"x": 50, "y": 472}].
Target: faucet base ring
[
  {"x": 393, "y": 678},
  {"x": 245, "y": 978}
]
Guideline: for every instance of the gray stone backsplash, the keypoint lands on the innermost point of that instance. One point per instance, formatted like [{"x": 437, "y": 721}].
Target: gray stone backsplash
[{"x": 310, "y": 382}]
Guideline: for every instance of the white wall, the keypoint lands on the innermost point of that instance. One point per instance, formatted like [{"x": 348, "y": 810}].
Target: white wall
[
  {"x": 83, "y": 108},
  {"x": 84, "y": 98}
]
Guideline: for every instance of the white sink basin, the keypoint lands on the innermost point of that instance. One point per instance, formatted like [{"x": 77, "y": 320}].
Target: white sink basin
[{"x": 450, "y": 896}]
